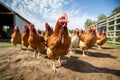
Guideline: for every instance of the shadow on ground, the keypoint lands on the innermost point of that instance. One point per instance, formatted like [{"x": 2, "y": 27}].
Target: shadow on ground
[
  {"x": 77, "y": 65},
  {"x": 97, "y": 54}
]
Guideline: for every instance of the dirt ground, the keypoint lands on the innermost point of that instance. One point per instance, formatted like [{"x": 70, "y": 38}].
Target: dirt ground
[{"x": 17, "y": 64}]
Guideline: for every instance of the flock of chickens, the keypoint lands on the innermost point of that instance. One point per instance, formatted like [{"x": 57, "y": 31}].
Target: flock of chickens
[{"x": 58, "y": 42}]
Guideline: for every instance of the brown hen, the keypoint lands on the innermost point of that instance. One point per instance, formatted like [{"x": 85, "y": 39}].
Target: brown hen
[
  {"x": 25, "y": 36},
  {"x": 16, "y": 36},
  {"x": 59, "y": 42},
  {"x": 35, "y": 41}
]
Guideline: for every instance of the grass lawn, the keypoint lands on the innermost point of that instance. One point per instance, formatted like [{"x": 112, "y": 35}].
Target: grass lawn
[
  {"x": 8, "y": 44},
  {"x": 5, "y": 44},
  {"x": 112, "y": 45}
]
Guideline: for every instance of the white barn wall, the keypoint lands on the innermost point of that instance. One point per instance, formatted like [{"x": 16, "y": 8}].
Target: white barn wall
[{"x": 20, "y": 22}]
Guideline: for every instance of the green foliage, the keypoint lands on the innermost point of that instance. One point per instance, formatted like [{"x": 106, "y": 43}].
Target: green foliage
[
  {"x": 118, "y": 39},
  {"x": 118, "y": 20},
  {"x": 101, "y": 17},
  {"x": 111, "y": 28},
  {"x": 118, "y": 27},
  {"x": 88, "y": 23},
  {"x": 70, "y": 31},
  {"x": 116, "y": 10}
]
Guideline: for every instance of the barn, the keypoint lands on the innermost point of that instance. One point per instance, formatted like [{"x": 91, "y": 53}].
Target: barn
[{"x": 8, "y": 19}]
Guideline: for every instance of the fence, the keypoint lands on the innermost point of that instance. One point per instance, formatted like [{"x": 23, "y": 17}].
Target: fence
[{"x": 112, "y": 26}]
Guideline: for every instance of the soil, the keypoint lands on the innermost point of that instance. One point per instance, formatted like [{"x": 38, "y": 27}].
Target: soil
[{"x": 100, "y": 64}]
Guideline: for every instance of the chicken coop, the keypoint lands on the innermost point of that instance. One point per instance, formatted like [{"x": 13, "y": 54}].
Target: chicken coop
[
  {"x": 8, "y": 19},
  {"x": 112, "y": 26}
]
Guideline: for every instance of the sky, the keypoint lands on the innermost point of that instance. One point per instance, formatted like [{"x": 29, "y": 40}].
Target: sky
[{"x": 38, "y": 12}]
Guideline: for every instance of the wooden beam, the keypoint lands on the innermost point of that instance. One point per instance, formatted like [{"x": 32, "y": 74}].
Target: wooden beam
[{"x": 6, "y": 12}]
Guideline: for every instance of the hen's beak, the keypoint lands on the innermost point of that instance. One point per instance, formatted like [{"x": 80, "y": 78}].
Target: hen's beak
[{"x": 63, "y": 22}]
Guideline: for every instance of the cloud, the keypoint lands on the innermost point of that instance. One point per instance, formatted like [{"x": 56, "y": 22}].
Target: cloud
[{"x": 40, "y": 11}]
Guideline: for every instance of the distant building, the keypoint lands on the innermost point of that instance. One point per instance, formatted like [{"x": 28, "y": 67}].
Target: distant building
[{"x": 8, "y": 19}]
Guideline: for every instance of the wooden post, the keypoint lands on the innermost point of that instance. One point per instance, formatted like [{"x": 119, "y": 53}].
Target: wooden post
[
  {"x": 107, "y": 27},
  {"x": 115, "y": 22}
]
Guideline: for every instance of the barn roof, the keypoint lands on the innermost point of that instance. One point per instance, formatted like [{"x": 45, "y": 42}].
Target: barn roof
[{"x": 5, "y": 8}]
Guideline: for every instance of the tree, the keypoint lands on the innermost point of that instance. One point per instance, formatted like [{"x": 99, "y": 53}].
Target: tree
[
  {"x": 101, "y": 17},
  {"x": 88, "y": 23},
  {"x": 116, "y": 10},
  {"x": 70, "y": 31}
]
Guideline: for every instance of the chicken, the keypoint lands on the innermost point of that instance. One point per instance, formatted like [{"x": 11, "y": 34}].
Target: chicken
[
  {"x": 101, "y": 39},
  {"x": 39, "y": 33},
  {"x": 75, "y": 32},
  {"x": 74, "y": 39},
  {"x": 81, "y": 32},
  {"x": 35, "y": 41},
  {"x": 48, "y": 32},
  {"x": 59, "y": 42},
  {"x": 25, "y": 36},
  {"x": 16, "y": 36},
  {"x": 88, "y": 39}
]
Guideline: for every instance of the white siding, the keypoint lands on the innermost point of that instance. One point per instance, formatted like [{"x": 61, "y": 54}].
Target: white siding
[{"x": 20, "y": 22}]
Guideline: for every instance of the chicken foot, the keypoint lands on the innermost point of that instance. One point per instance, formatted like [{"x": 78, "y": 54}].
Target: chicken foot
[
  {"x": 84, "y": 55},
  {"x": 34, "y": 54},
  {"x": 54, "y": 67}
]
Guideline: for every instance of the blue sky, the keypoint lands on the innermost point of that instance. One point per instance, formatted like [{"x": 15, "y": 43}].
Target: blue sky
[{"x": 40, "y": 11}]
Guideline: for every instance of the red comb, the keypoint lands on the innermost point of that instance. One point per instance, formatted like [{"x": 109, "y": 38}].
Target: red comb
[
  {"x": 16, "y": 27},
  {"x": 25, "y": 25},
  {"x": 47, "y": 25},
  {"x": 65, "y": 15},
  {"x": 31, "y": 25},
  {"x": 76, "y": 29},
  {"x": 103, "y": 31}
]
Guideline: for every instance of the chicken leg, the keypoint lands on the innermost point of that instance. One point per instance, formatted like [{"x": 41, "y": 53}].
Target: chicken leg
[
  {"x": 84, "y": 55},
  {"x": 27, "y": 50},
  {"x": 59, "y": 61},
  {"x": 34, "y": 54},
  {"x": 99, "y": 47},
  {"x": 39, "y": 54},
  {"x": 54, "y": 67}
]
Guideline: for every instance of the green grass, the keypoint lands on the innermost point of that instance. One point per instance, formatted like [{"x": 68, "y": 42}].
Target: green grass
[
  {"x": 5, "y": 44},
  {"x": 118, "y": 59},
  {"x": 8, "y": 44},
  {"x": 112, "y": 45}
]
